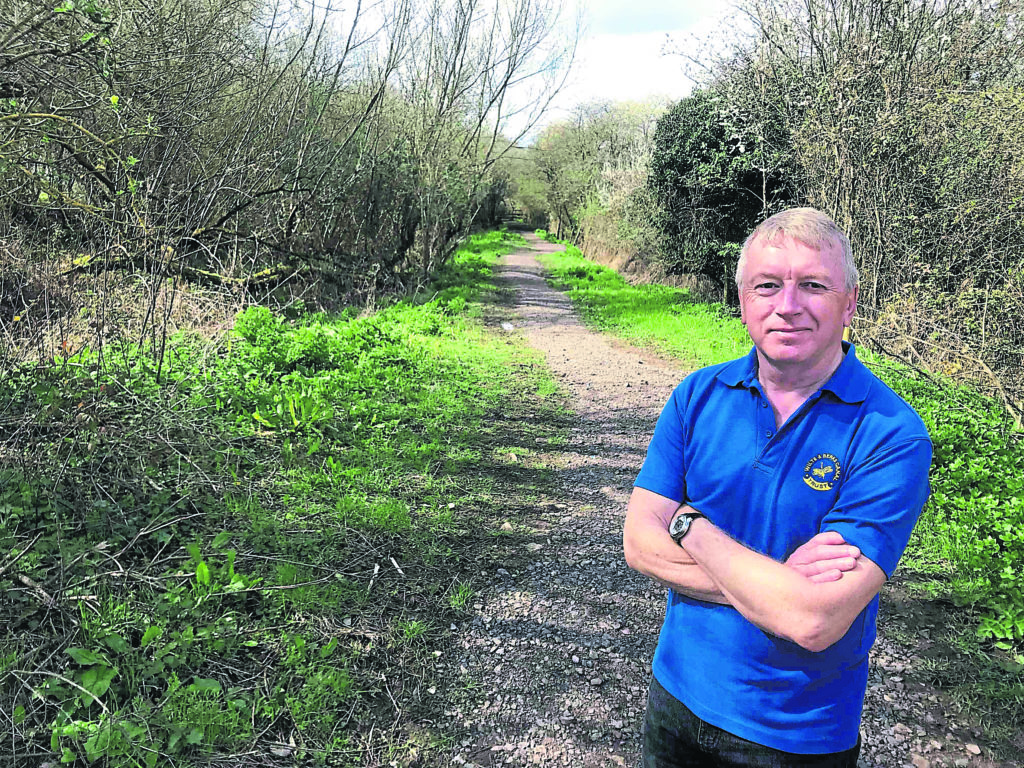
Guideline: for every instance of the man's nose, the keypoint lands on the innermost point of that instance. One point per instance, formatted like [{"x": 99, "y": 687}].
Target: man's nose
[{"x": 788, "y": 302}]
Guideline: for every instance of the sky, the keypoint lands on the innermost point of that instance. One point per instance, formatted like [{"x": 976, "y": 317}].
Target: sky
[{"x": 621, "y": 53}]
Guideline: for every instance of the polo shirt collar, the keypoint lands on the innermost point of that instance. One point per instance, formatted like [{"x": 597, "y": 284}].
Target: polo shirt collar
[
  {"x": 741, "y": 371},
  {"x": 850, "y": 383}
]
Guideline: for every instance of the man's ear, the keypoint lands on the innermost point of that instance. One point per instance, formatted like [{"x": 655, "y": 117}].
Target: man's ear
[{"x": 851, "y": 306}]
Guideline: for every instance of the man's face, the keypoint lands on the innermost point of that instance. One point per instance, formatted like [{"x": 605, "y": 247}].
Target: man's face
[{"x": 794, "y": 302}]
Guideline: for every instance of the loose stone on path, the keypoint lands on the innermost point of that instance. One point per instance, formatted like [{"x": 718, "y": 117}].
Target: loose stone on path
[{"x": 576, "y": 627}]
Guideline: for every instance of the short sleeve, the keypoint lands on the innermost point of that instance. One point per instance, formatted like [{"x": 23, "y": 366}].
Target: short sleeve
[
  {"x": 664, "y": 469},
  {"x": 880, "y": 500}
]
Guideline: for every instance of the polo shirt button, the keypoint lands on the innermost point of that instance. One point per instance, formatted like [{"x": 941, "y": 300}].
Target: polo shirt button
[
  {"x": 768, "y": 433},
  {"x": 764, "y": 405}
]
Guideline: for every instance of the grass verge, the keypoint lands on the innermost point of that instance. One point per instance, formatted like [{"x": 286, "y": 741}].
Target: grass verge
[
  {"x": 256, "y": 558},
  {"x": 657, "y": 316}
]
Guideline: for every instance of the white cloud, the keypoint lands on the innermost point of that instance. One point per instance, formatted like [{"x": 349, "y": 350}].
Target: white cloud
[
  {"x": 639, "y": 66},
  {"x": 625, "y": 68},
  {"x": 618, "y": 68}
]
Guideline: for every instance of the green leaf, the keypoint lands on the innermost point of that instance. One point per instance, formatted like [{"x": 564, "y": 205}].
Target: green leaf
[
  {"x": 67, "y": 756},
  {"x": 134, "y": 731},
  {"x": 221, "y": 539},
  {"x": 203, "y": 574},
  {"x": 96, "y": 745},
  {"x": 195, "y": 736},
  {"x": 96, "y": 680},
  {"x": 114, "y": 100},
  {"x": 85, "y": 657},
  {"x": 117, "y": 643},
  {"x": 204, "y": 684},
  {"x": 237, "y": 584},
  {"x": 152, "y": 633},
  {"x": 19, "y": 715},
  {"x": 262, "y": 420},
  {"x": 328, "y": 649}
]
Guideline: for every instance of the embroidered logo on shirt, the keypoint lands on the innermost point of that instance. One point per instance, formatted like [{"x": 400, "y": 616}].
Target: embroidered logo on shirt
[{"x": 822, "y": 472}]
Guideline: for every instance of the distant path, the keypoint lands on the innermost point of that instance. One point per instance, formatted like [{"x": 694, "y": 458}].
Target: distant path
[
  {"x": 575, "y": 628},
  {"x": 559, "y": 650}
]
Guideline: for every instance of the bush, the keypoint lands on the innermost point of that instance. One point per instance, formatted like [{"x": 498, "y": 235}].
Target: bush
[{"x": 708, "y": 170}]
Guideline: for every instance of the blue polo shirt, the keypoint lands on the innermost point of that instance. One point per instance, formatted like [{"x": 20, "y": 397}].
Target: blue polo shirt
[{"x": 853, "y": 458}]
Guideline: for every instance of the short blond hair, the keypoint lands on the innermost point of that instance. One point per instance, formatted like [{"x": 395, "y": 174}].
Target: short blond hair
[{"x": 807, "y": 226}]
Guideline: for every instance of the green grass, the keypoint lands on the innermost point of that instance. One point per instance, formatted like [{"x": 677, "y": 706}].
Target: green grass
[
  {"x": 656, "y": 316},
  {"x": 258, "y": 551},
  {"x": 968, "y": 546}
]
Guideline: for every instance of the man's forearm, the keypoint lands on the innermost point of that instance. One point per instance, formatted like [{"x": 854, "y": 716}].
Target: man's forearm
[
  {"x": 650, "y": 550},
  {"x": 686, "y": 578},
  {"x": 763, "y": 590},
  {"x": 777, "y": 598}
]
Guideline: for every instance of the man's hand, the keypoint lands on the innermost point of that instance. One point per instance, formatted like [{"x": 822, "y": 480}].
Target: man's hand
[
  {"x": 824, "y": 558},
  {"x": 780, "y": 599},
  {"x": 650, "y": 550}
]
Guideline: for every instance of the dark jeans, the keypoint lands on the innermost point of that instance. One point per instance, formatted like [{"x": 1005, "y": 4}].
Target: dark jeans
[{"x": 674, "y": 737}]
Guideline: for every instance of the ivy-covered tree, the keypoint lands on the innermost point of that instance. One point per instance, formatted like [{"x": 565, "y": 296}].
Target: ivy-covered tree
[{"x": 711, "y": 184}]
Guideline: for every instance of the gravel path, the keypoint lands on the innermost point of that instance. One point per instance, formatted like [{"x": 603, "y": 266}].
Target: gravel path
[{"x": 556, "y": 657}]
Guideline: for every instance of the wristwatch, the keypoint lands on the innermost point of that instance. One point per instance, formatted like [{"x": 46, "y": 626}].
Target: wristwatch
[{"x": 680, "y": 525}]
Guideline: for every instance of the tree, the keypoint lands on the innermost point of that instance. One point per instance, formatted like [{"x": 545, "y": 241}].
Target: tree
[
  {"x": 248, "y": 144},
  {"x": 902, "y": 121},
  {"x": 583, "y": 162},
  {"x": 711, "y": 185}
]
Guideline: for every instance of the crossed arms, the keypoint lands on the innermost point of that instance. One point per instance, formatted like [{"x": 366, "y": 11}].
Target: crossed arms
[{"x": 811, "y": 599}]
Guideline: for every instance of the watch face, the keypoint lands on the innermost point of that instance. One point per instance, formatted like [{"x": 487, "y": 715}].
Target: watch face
[{"x": 679, "y": 525}]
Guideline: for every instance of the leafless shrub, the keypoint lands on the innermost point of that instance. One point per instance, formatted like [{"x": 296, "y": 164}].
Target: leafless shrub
[{"x": 256, "y": 149}]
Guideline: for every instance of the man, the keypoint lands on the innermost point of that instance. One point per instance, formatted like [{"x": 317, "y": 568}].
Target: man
[{"x": 777, "y": 496}]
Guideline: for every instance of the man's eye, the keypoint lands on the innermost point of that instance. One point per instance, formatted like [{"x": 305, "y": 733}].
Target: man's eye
[
  {"x": 814, "y": 286},
  {"x": 764, "y": 286}
]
